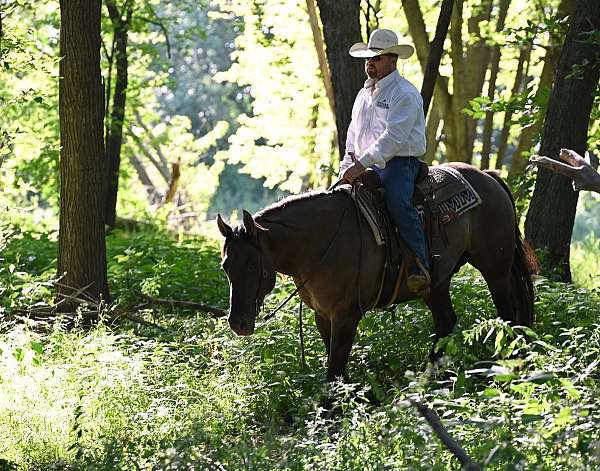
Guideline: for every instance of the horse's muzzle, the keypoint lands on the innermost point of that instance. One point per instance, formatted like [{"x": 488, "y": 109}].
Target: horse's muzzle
[{"x": 242, "y": 326}]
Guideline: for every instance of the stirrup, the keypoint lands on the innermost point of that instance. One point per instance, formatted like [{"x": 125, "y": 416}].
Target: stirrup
[{"x": 418, "y": 283}]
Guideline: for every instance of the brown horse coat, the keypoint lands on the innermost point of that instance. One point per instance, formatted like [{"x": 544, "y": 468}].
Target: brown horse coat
[{"x": 317, "y": 239}]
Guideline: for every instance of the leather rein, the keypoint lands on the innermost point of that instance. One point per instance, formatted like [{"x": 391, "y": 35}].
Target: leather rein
[{"x": 259, "y": 301}]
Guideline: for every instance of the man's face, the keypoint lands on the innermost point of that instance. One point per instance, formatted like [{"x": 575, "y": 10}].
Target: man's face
[{"x": 379, "y": 66}]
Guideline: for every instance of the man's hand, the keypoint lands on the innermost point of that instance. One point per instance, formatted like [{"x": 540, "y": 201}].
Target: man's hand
[{"x": 354, "y": 171}]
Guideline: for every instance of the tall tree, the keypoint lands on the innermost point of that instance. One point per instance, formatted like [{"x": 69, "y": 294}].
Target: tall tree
[
  {"x": 121, "y": 21},
  {"x": 520, "y": 75},
  {"x": 526, "y": 139},
  {"x": 83, "y": 170},
  {"x": 551, "y": 214},
  {"x": 436, "y": 49},
  {"x": 341, "y": 29},
  {"x": 469, "y": 62},
  {"x": 488, "y": 125}
]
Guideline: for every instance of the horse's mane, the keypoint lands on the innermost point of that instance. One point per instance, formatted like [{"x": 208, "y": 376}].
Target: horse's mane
[{"x": 290, "y": 200}]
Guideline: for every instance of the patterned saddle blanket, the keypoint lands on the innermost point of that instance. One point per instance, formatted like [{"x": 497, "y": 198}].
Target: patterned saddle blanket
[{"x": 442, "y": 195}]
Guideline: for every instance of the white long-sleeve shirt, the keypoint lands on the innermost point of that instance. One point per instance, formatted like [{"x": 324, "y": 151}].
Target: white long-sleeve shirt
[{"x": 387, "y": 121}]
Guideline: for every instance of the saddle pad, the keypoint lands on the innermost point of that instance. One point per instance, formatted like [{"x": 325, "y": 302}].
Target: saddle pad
[
  {"x": 452, "y": 193},
  {"x": 368, "y": 205},
  {"x": 449, "y": 193}
]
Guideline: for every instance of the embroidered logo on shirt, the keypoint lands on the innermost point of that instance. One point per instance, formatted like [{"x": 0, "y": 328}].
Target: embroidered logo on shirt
[{"x": 383, "y": 104}]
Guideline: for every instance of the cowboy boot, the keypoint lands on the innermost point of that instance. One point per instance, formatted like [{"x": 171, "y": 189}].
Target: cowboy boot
[{"x": 418, "y": 279}]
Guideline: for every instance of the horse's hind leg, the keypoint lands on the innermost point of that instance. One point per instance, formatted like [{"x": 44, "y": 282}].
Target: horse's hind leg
[
  {"x": 444, "y": 318},
  {"x": 497, "y": 275},
  {"x": 500, "y": 288}
]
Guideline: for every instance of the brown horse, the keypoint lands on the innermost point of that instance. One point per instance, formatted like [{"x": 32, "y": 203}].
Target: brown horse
[{"x": 318, "y": 240}]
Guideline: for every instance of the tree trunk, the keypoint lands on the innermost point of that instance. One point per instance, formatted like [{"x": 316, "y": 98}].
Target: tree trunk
[
  {"x": 488, "y": 126},
  {"x": 83, "y": 169},
  {"x": 431, "y": 132},
  {"x": 320, "y": 48},
  {"x": 434, "y": 58},
  {"x": 519, "y": 161},
  {"x": 325, "y": 72},
  {"x": 456, "y": 132},
  {"x": 549, "y": 222},
  {"x": 503, "y": 144},
  {"x": 341, "y": 29},
  {"x": 117, "y": 116},
  {"x": 477, "y": 56}
]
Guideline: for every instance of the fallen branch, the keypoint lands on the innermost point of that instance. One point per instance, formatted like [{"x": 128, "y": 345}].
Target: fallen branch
[
  {"x": 192, "y": 306},
  {"x": 577, "y": 168},
  {"x": 49, "y": 314},
  {"x": 436, "y": 425}
]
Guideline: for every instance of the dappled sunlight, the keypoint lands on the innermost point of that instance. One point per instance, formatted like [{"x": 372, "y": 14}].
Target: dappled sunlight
[{"x": 199, "y": 394}]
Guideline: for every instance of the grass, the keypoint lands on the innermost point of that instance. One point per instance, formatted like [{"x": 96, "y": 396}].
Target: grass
[
  {"x": 585, "y": 262},
  {"x": 197, "y": 397}
]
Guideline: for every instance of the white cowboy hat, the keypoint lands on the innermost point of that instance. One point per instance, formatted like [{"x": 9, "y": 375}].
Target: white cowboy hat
[{"x": 382, "y": 41}]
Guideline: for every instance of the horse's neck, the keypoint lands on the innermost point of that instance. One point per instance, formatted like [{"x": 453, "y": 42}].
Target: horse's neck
[{"x": 297, "y": 234}]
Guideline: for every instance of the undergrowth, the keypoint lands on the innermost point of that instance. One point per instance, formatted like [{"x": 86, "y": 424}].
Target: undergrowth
[{"x": 192, "y": 395}]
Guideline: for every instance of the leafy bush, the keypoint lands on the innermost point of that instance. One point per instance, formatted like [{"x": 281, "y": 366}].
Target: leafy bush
[{"x": 195, "y": 396}]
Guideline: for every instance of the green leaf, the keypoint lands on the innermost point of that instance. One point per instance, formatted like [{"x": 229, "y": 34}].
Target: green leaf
[
  {"x": 540, "y": 378},
  {"x": 491, "y": 392},
  {"x": 19, "y": 354},
  {"x": 570, "y": 389},
  {"x": 37, "y": 347}
]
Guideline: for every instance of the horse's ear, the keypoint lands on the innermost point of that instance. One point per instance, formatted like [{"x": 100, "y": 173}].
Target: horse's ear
[
  {"x": 249, "y": 224},
  {"x": 224, "y": 228}
]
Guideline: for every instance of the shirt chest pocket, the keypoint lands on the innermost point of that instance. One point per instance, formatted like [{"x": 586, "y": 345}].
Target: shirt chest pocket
[{"x": 380, "y": 117}]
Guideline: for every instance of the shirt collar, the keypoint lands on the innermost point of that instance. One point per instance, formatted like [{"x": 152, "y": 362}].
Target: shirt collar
[{"x": 383, "y": 83}]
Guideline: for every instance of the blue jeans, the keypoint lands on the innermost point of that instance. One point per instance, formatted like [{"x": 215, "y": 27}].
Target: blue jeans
[{"x": 398, "y": 180}]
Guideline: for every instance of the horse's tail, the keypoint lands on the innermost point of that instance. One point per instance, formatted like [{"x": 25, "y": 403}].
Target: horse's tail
[{"x": 524, "y": 265}]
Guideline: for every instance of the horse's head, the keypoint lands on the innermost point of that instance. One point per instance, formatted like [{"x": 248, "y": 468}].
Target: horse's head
[{"x": 249, "y": 270}]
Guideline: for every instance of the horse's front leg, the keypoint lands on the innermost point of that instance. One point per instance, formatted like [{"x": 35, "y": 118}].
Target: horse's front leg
[
  {"x": 444, "y": 318},
  {"x": 324, "y": 326},
  {"x": 343, "y": 330}
]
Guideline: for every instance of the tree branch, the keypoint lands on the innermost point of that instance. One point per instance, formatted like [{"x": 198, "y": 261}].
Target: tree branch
[
  {"x": 160, "y": 24},
  {"x": 162, "y": 169},
  {"x": 192, "y": 306},
  {"x": 148, "y": 131},
  {"x": 438, "y": 428},
  {"x": 577, "y": 168},
  {"x": 175, "y": 174}
]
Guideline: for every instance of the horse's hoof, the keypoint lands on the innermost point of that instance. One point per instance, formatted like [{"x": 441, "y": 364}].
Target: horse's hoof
[
  {"x": 372, "y": 399},
  {"x": 330, "y": 409}
]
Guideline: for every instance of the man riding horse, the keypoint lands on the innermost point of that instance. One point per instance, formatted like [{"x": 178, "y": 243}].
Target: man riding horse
[{"x": 387, "y": 133}]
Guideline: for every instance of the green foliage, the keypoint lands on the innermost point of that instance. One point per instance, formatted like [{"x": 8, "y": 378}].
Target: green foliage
[
  {"x": 276, "y": 59},
  {"x": 195, "y": 395},
  {"x": 29, "y": 102},
  {"x": 585, "y": 261}
]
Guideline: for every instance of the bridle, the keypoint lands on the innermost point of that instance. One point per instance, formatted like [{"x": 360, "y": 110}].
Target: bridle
[
  {"x": 261, "y": 292},
  {"x": 313, "y": 271},
  {"x": 263, "y": 287}
]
